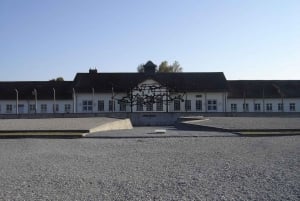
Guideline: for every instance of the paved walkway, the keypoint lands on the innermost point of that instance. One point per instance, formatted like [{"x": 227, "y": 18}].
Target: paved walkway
[{"x": 247, "y": 123}]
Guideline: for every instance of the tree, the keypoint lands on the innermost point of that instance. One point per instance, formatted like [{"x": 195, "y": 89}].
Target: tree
[
  {"x": 58, "y": 79},
  {"x": 140, "y": 68},
  {"x": 164, "y": 67},
  {"x": 176, "y": 67}
]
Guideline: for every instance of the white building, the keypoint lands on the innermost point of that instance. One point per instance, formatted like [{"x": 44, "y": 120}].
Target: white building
[{"x": 150, "y": 91}]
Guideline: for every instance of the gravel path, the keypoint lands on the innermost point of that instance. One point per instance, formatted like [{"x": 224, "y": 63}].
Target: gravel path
[
  {"x": 251, "y": 122},
  {"x": 149, "y": 132},
  {"x": 203, "y": 168},
  {"x": 53, "y": 123}
]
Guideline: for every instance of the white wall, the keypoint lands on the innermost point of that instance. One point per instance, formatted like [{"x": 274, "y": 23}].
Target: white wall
[
  {"x": 25, "y": 103},
  {"x": 204, "y": 97},
  {"x": 106, "y": 97},
  {"x": 274, "y": 102}
]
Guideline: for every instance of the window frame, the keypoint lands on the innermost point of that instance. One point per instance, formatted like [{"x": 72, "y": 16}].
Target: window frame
[
  {"x": 101, "y": 105},
  {"x": 67, "y": 108},
  {"x": 269, "y": 107},
  {"x": 9, "y": 108},
  {"x": 177, "y": 105},
  {"x": 44, "y": 108},
  {"x": 122, "y": 106},
  {"x": 212, "y": 105},
  {"x": 198, "y": 105},
  {"x": 188, "y": 105},
  {"x": 292, "y": 107},
  {"x": 257, "y": 107},
  {"x": 87, "y": 106},
  {"x": 233, "y": 107},
  {"x": 159, "y": 104}
]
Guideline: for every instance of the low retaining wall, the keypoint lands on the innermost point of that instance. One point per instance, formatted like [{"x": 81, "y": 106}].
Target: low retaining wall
[{"x": 153, "y": 119}]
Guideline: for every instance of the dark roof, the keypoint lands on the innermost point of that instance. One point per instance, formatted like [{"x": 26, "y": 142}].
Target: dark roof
[
  {"x": 63, "y": 90},
  {"x": 264, "y": 88},
  {"x": 122, "y": 82}
]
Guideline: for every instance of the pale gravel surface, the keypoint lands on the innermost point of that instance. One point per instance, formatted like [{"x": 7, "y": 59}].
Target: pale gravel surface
[
  {"x": 251, "y": 122},
  {"x": 53, "y": 123},
  {"x": 193, "y": 168}
]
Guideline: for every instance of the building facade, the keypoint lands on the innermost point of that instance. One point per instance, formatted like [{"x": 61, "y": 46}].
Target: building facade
[{"x": 150, "y": 91}]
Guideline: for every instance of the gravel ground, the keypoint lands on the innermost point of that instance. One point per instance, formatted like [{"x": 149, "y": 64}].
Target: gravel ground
[
  {"x": 193, "y": 168},
  {"x": 53, "y": 123},
  {"x": 251, "y": 122},
  {"x": 149, "y": 132}
]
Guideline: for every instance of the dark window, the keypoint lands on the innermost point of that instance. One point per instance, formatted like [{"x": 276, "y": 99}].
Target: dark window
[
  {"x": 269, "y": 107},
  {"x": 122, "y": 106},
  {"x": 198, "y": 105},
  {"x": 292, "y": 107},
  {"x": 257, "y": 107},
  {"x": 87, "y": 106},
  {"x": 233, "y": 107},
  {"x": 139, "y": 105},
  {"x": 212, "y": 105},
  {"x": 159, "y": 104},
  {"x": 176, "y": 105},
  {"x": 101, "y": 105},
  {"x": 245, "y": 107},
  {"x": 188, "y": 105}
]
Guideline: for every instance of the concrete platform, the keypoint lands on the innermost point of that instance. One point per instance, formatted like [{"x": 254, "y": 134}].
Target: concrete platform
[
  {"x": 61, "y": 126},
  {"x": 242, "y": 124}
]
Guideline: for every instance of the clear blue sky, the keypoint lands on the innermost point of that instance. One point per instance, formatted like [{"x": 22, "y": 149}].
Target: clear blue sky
[{"x": 245, "y": 39}]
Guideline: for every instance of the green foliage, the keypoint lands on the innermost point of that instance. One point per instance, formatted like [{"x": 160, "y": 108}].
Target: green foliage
[
  {"x": 140, "y": 68},
  {"x": 58, "y": 79},
  {"x": 164, "y": 67}
]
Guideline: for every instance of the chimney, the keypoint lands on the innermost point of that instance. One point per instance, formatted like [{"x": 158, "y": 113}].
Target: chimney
[
  {"x": 93, "y": 71},
  {"x": 149, "y": 67}
]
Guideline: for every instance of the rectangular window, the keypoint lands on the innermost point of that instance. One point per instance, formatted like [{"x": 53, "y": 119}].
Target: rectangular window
[
  {"x": 188, "y": 105},
  {"x": 233, "y": 107},
  {"x": 212, "y": 105},
  {"x": 32, "y": 108},
  {"x": 139, "y": 104},
  {"x": 9, "y": 108},
  {"x": 269, "y": 107},
  {"x": 122, "y": 106},
  {"x": 55, "y": 108},
  {"x": 198, "y": 105},
  {"x": 257, "y": 107},
  {"x": 280, "y": 107},
  {"x": 149, "y": 106},
  {"x": 101, "y": 105},
  {"x": 21, "y": 108},
  {"x": 43, "y": 108},
  {"x": 159, "y": 104},
  {"x": 176, "y": 105},
  {"x": 67, "y": 108},
  {"x": 292, "y": 107},
  {"x": 87, "y": 106},
  {"x": 111, "y": 106},
  {"x": 245, "y": 107}
]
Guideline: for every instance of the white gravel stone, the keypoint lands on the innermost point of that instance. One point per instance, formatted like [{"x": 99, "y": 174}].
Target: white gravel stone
[{"x": 202, "y": 168}]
